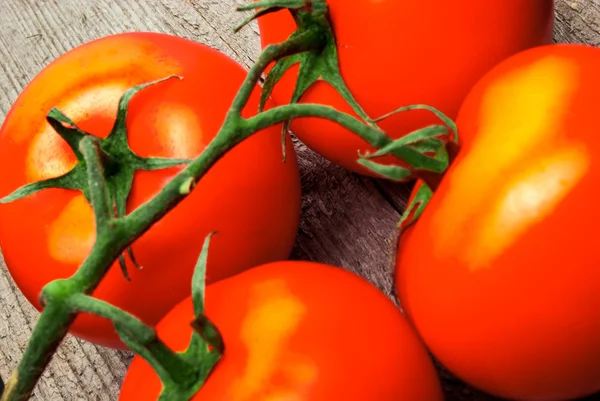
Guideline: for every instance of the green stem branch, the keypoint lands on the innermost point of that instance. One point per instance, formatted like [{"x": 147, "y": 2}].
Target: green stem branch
[
  {"x": 372, "y": 135},
  {"x": 48, "y": 333},
  {"x": 276, "y": 115},
  {"x": 99, "y": 196},
  {"x": 143, "y": 335}
]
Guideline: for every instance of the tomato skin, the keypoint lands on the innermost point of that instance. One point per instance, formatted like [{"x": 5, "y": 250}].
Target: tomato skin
[
  {"x": 407, "y": 52},
  {"x": 301, "y": 331},
  {"x": 250, "y": 197},
  {"x": 500, "y": 274}
]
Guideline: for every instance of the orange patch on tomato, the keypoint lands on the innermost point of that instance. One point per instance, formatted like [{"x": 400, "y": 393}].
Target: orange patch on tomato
[
  {"x": 178, "y": 130},
  {"x": 522, "y": 202},
  {"x": 97, "y": 101},
  {"x": 103, "y": 96},
  {"x": 122, "y": 58},
  {"x": 71, "y": 236},
  {"x": 273, "y": 371},
  {"x": 48, "y": 156},
  {"x": 520, "y": 126}
]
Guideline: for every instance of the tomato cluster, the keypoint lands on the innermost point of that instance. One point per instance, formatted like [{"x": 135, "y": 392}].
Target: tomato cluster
[{"x": 497, "y": 278}]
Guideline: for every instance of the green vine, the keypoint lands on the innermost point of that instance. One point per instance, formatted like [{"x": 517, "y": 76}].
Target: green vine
[{"x": 104, "y": 173}]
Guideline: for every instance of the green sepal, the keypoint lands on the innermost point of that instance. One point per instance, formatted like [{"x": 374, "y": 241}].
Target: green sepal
[
  {"x": 391, "y": 172},
  {"x": 276, "y": 73},
  {"x": 416, "y": 207},
  {"x": 444, "y": 118},
  {"x": 414, "y": 138},
  {"x": 75, "y": 179},
  {"x": 412, "y": 148},
  {"x": 139, "y": 349},
  {"x": 274, "y": 76},
  {"x": 413, "y": 157},
  {"x": 266, "y": 7},
  {"x": 116, "y": 143},
  {"x": 159, "y": 163},
  {"x": 291, "y": 4},
  {"x": 67, "y": 129},
  {"x": 171, "y": 390},
  {"x": 415, "y": 148},
  {"x": 431, "y": 145},
  {"x": 199, "y": 277},
  {"x": 204, "y": 330},
  {"x": 321, "y": 64},
  {"x": 119, "y": 188}
]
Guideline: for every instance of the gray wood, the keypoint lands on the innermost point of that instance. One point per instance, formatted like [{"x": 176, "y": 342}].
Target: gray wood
[{"x": 347, "y": 220}]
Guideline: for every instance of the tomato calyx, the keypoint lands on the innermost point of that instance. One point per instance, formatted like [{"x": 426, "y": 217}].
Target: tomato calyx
[
  {"x": 416, "y": 206},
  {"x": 318, "y": 64},
  {"x": 181, "y": 373},
  {"x": 118, "y": 161},
  {"x": 425, "y": 151},
  {"x": 428, "y": 152}
]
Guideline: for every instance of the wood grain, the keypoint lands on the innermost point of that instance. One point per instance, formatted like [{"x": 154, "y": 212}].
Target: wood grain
[{"x": 347, "y": 220}]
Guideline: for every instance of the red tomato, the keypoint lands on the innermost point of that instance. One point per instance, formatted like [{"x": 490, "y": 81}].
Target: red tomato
[
  {"x": 299, "y": 331},
  {"x": 500, "y": 274},
  {"x": 397, "y": 53},
  {"x": 250, "y": 196}
]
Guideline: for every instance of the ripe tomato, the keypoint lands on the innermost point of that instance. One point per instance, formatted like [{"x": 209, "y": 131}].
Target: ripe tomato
[
  {"x": 299, "y": 331},
  {"x": 250, "y": 197},
  {"x": 397, "y": 53},
  {"x": 500, "y": 274}
]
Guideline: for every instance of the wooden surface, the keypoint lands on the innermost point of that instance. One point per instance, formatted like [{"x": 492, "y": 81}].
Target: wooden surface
[{"x": 347, "y": 220}]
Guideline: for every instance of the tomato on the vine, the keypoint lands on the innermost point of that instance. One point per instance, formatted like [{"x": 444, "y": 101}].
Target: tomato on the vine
[
  {"x": 500, "y": 274},
  {"x": 299, "y": 331},
  {"x": 250, "y": 196},
  {"x": 399, "y": 53}
]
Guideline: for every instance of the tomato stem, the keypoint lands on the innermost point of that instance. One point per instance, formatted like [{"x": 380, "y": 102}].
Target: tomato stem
[
  {"x": 48, "y": 333},
  {"x": 100, "y": 197},
  {"x": 276, "y": 115}
]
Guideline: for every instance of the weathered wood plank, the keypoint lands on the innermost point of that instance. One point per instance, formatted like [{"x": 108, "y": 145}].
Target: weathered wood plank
[
  {"x": 578, "y": 21},
  {"x": 347, "y": 220}
]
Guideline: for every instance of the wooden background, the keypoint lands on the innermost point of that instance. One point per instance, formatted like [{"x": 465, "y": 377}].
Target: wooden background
[{"x": 346, "y": 219}]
